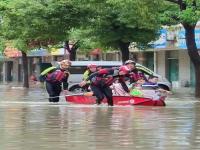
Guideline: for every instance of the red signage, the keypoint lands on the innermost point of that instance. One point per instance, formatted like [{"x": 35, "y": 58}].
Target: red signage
[
  {"x": 96, "y": 51},
  {"x": 12, "y": 52}
]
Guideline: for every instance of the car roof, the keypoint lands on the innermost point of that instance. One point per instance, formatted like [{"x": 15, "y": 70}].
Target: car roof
[
  {"x": 98, "y": 63},
  {"x": 110, "y": 63}
]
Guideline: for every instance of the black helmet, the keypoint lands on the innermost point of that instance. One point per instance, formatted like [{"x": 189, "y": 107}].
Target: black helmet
[{"x": 129, "y": 62}]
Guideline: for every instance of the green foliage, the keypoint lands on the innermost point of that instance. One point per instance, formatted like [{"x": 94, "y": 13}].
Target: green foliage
[
  {"x": 2, "y": 45},
  {"x": 39, "y": 23},
  {"x": 106, "y": 23},
  {"x": 20, "y": 21},
  {"x": 190, "y": 15},
  {"x": 175, "y": 13},
  {"x": 125, "y": 21},
  {"x": 87, "y": 42},
  {"x": 168, "y": 13}
]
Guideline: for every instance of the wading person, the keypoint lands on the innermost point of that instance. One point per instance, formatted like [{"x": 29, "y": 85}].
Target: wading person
[
  {"x": 56, "y": 78},
  {"x": 101, "y": 81},
  {"x": 91, "y": 68},
  {"x": 134, "y": 74}
]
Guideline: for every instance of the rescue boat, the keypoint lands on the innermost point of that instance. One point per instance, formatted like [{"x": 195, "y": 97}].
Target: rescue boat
[{"x": 117, "y": 100}]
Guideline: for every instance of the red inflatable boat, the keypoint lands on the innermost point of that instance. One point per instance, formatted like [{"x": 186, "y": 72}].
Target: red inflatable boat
[{"x": 117, "y": 100}]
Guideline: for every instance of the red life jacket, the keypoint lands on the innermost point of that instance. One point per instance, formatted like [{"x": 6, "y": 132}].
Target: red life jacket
[
  {"x": 105, "y": 77},
  {"x": 136, "y": 76},
  {"x": 55, "y": 76},
  {"x": 103, "y": 81}
]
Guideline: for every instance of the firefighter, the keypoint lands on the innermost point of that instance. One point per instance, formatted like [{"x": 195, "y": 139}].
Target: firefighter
[
  {"x": 56, "y": 78},
  {"x": 101, "y": 81}
]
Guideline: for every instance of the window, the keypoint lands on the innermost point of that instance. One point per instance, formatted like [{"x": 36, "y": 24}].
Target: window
[{"x": 77, "y": 69}]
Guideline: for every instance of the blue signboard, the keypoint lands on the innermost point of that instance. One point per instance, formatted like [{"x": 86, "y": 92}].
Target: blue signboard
[
  {"x": 38, "y": 52},
  {"x": 182, "y": 42},
  {"x": 162, "y": 41}
]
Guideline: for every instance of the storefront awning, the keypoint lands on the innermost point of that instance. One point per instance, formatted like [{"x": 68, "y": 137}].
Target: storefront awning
[
  {"x": 96, "y": 51},
  {"x": 11, "y": 52},
  {"x": 38, "y": 52}
]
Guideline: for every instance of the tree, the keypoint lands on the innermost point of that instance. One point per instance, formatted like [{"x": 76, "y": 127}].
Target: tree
[
  {"x": 186, "y": 12},
  {"x": 2, "y": 45},
  {"x": 71, "y": 48},
  {"x": 30, "y": 24},
  {"x": 82, "y": 40},
  {"x": 117, "y": 23}
]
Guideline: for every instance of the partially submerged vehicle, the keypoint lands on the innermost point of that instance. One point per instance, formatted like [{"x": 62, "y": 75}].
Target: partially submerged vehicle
[{"x": 78, "y": 67}]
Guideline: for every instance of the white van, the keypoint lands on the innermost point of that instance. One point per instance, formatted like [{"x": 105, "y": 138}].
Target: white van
[{"x": 78, "y": 68}]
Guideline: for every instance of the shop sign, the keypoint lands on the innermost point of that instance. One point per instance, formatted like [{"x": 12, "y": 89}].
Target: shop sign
[
  {"x": 182, "y": 41},
  {"x": 162, "y": 41},
  {"x": 59, "y": 51},
  {"x": 11, "y": 52},
  {"x": 38, "y": 52},
  {"x": 96, "y": 51}
]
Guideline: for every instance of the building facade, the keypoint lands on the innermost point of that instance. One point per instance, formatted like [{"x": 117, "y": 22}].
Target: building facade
[{"x": 167, "y": 57}]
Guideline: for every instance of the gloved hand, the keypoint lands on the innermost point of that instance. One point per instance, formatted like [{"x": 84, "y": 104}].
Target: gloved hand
[
  {"x": 65, "y": 92},
  {"x": 83, "y": 83},
  {"x": 88, "y": 94}
]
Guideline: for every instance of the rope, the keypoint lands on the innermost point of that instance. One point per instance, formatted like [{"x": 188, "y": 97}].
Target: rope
[
  {"x": 67, "y": 95},
  {"x": 73, "y": 94}
]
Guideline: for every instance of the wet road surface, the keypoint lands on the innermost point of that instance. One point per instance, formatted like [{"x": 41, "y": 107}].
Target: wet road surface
[{"x": 28, "y": 121}]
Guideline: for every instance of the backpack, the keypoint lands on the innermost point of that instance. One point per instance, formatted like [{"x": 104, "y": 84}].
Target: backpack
[{"x": 44, "y": 73}]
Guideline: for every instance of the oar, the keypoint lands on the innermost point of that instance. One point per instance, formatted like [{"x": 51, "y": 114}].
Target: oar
[{"x": 67, "y": 95}]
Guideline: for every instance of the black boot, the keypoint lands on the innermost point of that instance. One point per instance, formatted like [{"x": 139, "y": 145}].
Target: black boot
[
  {"x": 98, "y": 101},
  {"x": 55, "y": 100},
  {"x": 110, "y": 102},
  {"x": 50, "y": 100}
]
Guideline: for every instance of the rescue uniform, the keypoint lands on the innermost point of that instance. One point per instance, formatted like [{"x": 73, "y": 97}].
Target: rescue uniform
[
  {"x": 86, "y": 74},
  {"x": 101, "y": 81},
  {"x": 135, "y": 75},
  {"x": 55, "y": 79}
]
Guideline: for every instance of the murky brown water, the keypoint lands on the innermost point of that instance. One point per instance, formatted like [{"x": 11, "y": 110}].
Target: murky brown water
[{"x": 29, "y": 122}]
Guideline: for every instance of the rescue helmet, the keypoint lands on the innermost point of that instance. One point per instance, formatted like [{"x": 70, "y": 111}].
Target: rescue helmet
[
  {"x": 65, "y": 63},
  {"x": 130, "y": 62},
  {"x": 91, "y": 66},
  {"x": 124, "y": 69}
]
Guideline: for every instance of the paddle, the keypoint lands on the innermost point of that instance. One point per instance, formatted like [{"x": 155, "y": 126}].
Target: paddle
[{"x": 61, "y": 96}]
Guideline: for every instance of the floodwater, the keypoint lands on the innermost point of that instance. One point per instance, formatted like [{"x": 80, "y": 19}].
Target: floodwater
[{"x": 29, "y": 122}]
